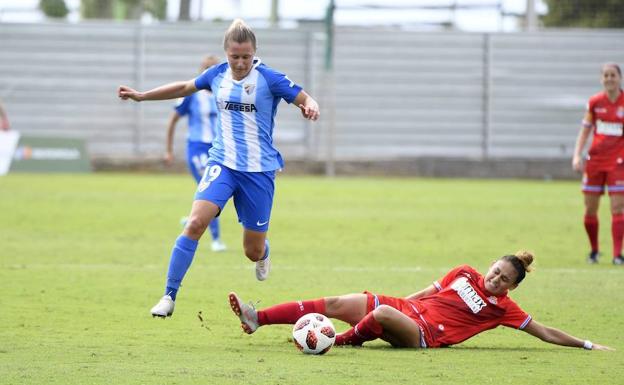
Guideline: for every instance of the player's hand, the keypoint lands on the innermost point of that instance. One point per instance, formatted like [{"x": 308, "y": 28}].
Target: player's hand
[
  {"x": 168, "y": 158},
  {"x": 310, "y": 110},
  {"x": 602, "y": 347},
  {"x": 577, "y": 164},
  {"x": 4, "y": 125},
  {"x": 125, "y": 93}
]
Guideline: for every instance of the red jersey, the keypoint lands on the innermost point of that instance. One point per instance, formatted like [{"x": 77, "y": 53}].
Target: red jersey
[
  {"x": 462, "y": 308},
  {"x": 607, "y": 118}
]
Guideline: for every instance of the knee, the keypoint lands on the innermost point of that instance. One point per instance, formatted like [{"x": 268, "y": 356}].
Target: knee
[
  {"x": 196, "y": 226},
  {"x": 332, "y": 304},
  {"x": 617, "y": 209},
  {"x": 383, "y": 313},
  {"x": 254, "y": 252}
]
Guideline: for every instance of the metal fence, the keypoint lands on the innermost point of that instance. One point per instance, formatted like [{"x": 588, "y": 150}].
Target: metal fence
[{"x": 397, "y": 94}]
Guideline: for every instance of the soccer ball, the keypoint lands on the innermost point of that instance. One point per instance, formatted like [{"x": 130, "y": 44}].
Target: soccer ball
[{"x": 314, "y": 334}]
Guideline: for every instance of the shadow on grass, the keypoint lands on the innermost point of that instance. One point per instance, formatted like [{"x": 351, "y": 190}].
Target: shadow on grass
[{"x": 488, "y": 349}]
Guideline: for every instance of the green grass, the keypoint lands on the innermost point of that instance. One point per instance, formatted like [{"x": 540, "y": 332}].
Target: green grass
[{"x": 84, "y": 257}]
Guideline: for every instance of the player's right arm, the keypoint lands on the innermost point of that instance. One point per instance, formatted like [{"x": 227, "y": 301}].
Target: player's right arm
[
  {"x": 167, "y": 91},
  {"x": 429, "y": 290},
  {"x": 173, "y": 120},
  {"x": 4, "y": 120},
  {"x": 581, "y": 140},
  {"x": 558, "y": 337}
]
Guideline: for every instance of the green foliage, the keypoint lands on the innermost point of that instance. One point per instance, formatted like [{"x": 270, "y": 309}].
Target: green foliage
[
  {"x": 96, "y": 9},
  {"x": 54, "y": 8},
  {"x": 585, "y": 13},
  {"x": 122, "y": 9},
  {"x": 84, "y": 257}
]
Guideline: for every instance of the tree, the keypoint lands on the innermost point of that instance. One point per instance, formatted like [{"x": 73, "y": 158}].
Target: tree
[
  {"x": 54, "y": 8},
  {"x": 185, "y": 10},
  {"x": 584, "y": 13}
]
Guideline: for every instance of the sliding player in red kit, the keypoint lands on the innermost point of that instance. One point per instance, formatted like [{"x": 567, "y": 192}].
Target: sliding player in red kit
[{"x": 460, "y": 305}]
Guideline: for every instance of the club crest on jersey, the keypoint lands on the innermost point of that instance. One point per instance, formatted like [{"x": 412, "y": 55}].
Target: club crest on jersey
[
  {"x": 492, "y": 300},
  {"x": 249, "y": 88},
  {"x": 468, "y": 294},
  {"x": 620, "y": 112}
]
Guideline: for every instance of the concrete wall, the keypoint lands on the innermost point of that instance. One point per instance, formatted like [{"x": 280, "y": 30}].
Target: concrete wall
[{"x": 396, "y": 95}]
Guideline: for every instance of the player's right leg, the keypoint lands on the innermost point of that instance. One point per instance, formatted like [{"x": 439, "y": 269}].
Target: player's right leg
[
  {"x": 197, "y": 161},
  {"x": 213, "y": 192},
  {"x": 593, "y": 188},
  {"x": 182, "y": 254},
  {"x": 349, "y": 308}
]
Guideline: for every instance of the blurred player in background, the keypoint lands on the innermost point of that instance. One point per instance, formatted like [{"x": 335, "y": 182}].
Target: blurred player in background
[
  {"x": 243, "y": 160},
  {"x": 4, "y": 119},
  {"x": 604, "y": 164},
  {"x": 202, "y": 112},
  {"x": 451, "y": 310}
]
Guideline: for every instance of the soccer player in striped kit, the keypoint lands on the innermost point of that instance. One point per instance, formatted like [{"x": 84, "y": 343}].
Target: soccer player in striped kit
[
  {"x": 604, "y": 164},
  {"x": 453, "y": 309},
  {"x": 202, "y": 112},
  {"x": 243, "y": 160}
]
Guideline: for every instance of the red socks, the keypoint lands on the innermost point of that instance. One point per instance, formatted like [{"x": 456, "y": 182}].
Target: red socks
[
  {"x": 617, "y": 232},
  {"x": 290, "y": 312},
  {"x": 367, "y": 329},
  {"x": 591, "y": 227}
]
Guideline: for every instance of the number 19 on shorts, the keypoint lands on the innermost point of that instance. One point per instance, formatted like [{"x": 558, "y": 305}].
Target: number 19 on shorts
[{"x": 210, "y": 174}]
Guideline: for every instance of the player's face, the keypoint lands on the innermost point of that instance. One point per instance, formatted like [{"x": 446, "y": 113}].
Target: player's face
[
  {"x": 240, "y": 58},
  {"x": 611, "y": 79},
  {"x": 501, "y": 277}
]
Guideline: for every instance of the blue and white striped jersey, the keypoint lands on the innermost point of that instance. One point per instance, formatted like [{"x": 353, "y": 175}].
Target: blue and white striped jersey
[
  {"x": 247, "y": 108},
  {"x": 201, "y": 108}
]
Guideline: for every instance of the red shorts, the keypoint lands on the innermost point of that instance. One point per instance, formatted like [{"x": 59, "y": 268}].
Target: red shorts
[
  {"x": 405, "y": 307},
  {"x": 594, "y": 181}
]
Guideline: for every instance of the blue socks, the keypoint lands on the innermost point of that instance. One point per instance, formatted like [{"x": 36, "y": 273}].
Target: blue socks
[{"x": 181, "y": 258}]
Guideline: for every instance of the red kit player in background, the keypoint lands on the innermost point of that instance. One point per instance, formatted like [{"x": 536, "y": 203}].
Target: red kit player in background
[
  {"x": 604, "y": 164},
  {"x": 460, "y": 305}
]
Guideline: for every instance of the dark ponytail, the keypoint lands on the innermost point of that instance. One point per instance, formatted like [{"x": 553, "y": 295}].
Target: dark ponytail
[{"x": 521, "y": 261}]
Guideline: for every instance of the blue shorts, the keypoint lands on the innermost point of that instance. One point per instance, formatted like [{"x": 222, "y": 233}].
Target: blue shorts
[
  {"x": 252, "y": 192},
  {"x": 197, "y": 158}
]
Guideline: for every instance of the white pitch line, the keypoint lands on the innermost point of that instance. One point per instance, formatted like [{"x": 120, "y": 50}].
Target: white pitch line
[{"x": 277, "y": 266}]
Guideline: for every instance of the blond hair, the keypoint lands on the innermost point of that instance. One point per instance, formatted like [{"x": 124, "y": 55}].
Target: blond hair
[{"x": 239, "y": 32}]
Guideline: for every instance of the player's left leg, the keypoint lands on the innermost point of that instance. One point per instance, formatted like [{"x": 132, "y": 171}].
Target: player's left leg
[
  {"x": 253, "y": 200},
  {"x": 615, "y": 185},
  {"x": 385, "y": 321},
  {"x": 617, "y": 227}
]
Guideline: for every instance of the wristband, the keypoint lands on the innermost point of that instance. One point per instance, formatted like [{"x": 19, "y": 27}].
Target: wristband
[{"x": 587, "y": 345}]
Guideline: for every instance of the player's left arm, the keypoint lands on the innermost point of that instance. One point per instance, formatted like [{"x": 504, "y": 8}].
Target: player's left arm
[
  {"x": 559, "y": 337},
  {"x": 309, "y": 107},
  {"x": 423, "y": 293}
]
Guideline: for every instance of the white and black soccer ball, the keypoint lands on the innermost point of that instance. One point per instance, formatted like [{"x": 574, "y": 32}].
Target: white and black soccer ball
[{"x": 314, "y": 334}]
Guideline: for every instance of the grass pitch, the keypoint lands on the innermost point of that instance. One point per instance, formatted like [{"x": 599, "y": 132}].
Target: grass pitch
[{"x": 84, "y": 257}]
